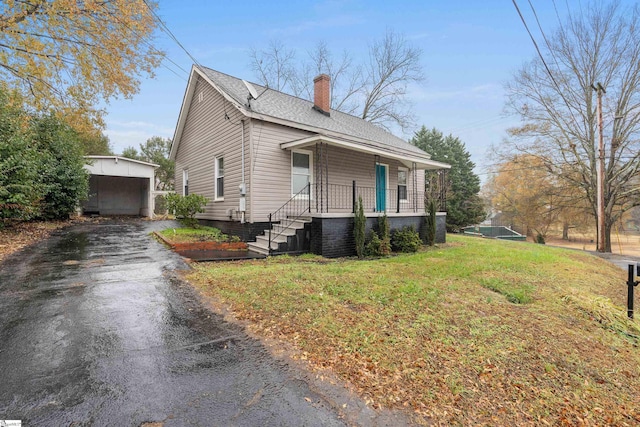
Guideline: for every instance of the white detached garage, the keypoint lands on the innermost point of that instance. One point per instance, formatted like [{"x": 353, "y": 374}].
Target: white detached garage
[{"x": 119, "y": 186}]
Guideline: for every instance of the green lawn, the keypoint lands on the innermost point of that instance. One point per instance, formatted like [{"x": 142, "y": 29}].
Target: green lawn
[
  {"x": 473, "y": 332},
  {"x": 200, "y": 234}
]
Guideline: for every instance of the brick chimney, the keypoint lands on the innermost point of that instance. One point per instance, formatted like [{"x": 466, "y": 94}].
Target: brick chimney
[{"x": 321, "y": 94}]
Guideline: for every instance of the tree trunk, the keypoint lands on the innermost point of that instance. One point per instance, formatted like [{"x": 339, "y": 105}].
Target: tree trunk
[
  {"x": 607, "y": 237},
  {"x": 565, "y": 231}
]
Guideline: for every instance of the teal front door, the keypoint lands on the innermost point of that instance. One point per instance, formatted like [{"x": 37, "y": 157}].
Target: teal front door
[{"x": 381, "y": 188}]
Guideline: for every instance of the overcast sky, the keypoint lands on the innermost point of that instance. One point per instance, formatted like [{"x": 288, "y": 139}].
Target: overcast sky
[{"x": 470, "y": 49}]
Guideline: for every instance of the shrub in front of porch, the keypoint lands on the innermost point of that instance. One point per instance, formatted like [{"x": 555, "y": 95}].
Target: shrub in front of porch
[
  {"x": 429, "y": 226},
  {"x": 359, "y": 229},
  {"x": 406, "y": 239},
  {"x": 379, "y": 242}
]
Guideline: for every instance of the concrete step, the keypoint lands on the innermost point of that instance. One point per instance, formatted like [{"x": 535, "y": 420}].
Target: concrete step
[
  {"x": 253, "y": 247},
  {"x": 274, "y": 240},
  {"x": 279, "y": 234},
  {"x": 300, "y": 222},
  {"x": 282, "y": 230},
  {"x": 261, "y": 246}
]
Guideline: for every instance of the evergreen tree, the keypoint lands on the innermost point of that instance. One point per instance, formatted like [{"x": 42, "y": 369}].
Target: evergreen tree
[
  {"x": 464, "y": 206},
  {"x": 20, "y": 186},
  {"x": 42, "y": 171},
  {"x": 62, "y": 171}
]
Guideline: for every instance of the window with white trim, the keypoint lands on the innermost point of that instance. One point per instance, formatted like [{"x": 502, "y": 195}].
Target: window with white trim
[
  {"x": 402, "y": 183},
  {"x": 301, "y": 172},
  {"x": 219, "y": 178},
  {"x": 185, "y": 182}
]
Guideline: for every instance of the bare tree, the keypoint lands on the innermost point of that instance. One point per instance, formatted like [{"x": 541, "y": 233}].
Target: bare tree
[
  {"x": 346, "y": 78},
  {"x": 274, "y": 65},
  {"x": 393, "y": 64},
  {"x": 557, "y": 105},
  {"x": 375, "y": 90}
]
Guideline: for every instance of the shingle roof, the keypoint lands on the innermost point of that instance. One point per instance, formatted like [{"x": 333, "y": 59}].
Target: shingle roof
[{"x": 286, "y": 107}]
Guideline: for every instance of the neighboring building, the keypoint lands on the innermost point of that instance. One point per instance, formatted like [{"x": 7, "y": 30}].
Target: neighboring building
[
  {"x": 119, "y": 186},
  {"x": 259, "y": 154}
]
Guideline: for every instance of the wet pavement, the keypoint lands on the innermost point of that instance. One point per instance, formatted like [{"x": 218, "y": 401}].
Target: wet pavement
[
  {"x": 621, "y": 261},
  {"x": 96, "y": 330}
]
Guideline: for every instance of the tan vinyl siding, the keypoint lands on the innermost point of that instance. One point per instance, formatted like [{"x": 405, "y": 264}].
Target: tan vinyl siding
[
  {"x": 207, "y": 135},
  {"x": 271, "y": 167},
  {"x": 345, "y": 166},
  {"x": 271, "y": 170}
]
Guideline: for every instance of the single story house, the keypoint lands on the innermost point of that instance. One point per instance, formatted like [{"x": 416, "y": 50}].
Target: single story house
[
  {"x": 119, "y": 186},
  {"x": 284, "y": 173}
]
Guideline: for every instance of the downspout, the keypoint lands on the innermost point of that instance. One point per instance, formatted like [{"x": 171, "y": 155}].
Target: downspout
[
  {"x": 252, "y": 161},
  {"x": 243, "y": 185},
  {"x": 414, "y": 172}
]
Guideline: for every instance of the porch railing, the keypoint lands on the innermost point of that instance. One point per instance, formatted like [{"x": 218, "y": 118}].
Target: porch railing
[
  {"x": 344, "y": 198},
  {"x": 402, "y": 199},
  {"x": 294, "y": 209}
]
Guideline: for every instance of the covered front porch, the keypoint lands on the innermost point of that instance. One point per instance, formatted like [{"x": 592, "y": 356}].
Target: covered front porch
[
  {"x": 331, "y": 174},
  {"x": 319, "y": 219},
  {"x": 329, "y": 177}
]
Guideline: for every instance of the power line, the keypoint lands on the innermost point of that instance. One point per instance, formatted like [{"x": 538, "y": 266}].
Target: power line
[
  {"x": 166, "y": 29},
  {"x": 480, "y": 124},
  {"x": 498, "y": 165},
  {"x": 535, "y": 14},
  {"x": 535, "y": 44},
  {"x": 153, "y": 48}
]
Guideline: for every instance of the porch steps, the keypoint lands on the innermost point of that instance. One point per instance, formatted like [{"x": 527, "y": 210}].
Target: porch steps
[{"x": 281, "y": 233}]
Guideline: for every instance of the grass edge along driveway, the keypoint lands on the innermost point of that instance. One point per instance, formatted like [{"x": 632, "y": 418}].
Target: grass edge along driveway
[{"x": 476, "y": 331}]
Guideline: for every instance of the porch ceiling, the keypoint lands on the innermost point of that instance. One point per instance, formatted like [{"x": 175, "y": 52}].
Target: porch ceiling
[{"x": 370, "y": 148}]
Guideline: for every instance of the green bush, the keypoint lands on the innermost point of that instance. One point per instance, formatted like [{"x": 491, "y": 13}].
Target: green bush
[
  {"x": 359, "y": 228},
  {"x": 63, "y": 175},
  {"x": 373, "y": 246},
  {"x": 185, "y": 208},
  {"x": 384, "y": 232},
  {"x": 20, "y": 188},
  {"x": 42, "y": 171},
  {"x": 379, "y": 243},
  {"x": 540, "y": 239},
  {"x": 428, "y": 231},
  {"x": 406, "y": 239}
]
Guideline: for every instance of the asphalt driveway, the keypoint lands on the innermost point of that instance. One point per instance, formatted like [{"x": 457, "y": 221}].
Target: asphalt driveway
[{"x": 96, "y": 330}]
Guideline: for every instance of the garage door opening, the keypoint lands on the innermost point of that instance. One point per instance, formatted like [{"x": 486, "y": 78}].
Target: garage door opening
[{"x": 119, "y": 186}]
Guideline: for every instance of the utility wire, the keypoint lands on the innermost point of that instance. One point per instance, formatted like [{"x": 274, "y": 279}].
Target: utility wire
[
  {"x": 478, "y": 125},
  {"x": 535, "y": 14},
  {"x": 556, "y": 10},
  {"x": 166, "y": 29},
  {"x": 535, "y": 44},
  {"x": 498, "y": 170},
  {"x": 154, "y": 49}
]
